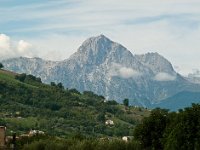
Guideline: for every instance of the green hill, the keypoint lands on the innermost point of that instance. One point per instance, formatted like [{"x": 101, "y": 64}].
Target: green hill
[{"x": 26, "y": 103}]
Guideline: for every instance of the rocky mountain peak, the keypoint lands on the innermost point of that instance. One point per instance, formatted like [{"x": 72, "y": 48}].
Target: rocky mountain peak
[
  {"x": 97, "y": 45},
  {"x": 156, "y": 62},
  {"x": 109, "y": 69},
  {"x": 95, "y": 51},
  {"x": 100, "y": 39}
]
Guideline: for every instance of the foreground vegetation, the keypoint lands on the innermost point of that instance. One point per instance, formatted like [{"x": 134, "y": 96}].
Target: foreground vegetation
[
  {"x": 170, "y": 131},
  {"x": 27, "y": 103},
  {"x": 75, "y": 143},
  {"x": 161, "y": 130},
  {"x": 76, "y": 121}
]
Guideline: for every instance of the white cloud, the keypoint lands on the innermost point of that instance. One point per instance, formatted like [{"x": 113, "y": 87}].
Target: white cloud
[
  {"x": 4, "y": 42},
  {"x": 163, "y": 76},
  {"x": 169, "y": 27},
  {"x": 57, "y": 46},
  {"x": 10, "y": 48},
  {"x": 127, "y": 72},
  {"x": 123, "y": 72},
  {"x": 5, "y": 46},
  {"x": 23, "y": 46}
]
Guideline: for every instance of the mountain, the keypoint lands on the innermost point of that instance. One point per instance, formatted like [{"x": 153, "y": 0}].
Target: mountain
[
  {"x": 194, "y": 77},
  {"x": 109, "y": 69},
  {"x": 35, "y": 66},
  {"x": 180, "y": 100}
]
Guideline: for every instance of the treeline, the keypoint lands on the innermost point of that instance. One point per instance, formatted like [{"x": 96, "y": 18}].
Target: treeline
[
  {"x": 24, "y": 77},
  {"x": 26, "y": 104},
  {"x": 170, "y": 130},
  {"x": 162, "y": 130},
  {"x": 77, "y": 142}
]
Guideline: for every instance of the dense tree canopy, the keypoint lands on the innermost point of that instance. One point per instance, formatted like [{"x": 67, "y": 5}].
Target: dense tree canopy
[
  {"x": 59, "y": 111},
  {"x": 1, "y": 65},
  {"x": 164, "y": 130},
  {"x": 150, "y": 132},
  {"x": 126, "y": 102}
]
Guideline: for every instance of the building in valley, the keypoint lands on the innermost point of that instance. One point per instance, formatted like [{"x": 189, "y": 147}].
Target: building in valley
[{"x": 2, "y": 136}]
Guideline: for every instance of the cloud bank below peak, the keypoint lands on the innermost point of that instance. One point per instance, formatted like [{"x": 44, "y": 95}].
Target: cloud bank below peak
[
  {"x": 122, "y": 71},
  {"x": 163, "y": 76}
]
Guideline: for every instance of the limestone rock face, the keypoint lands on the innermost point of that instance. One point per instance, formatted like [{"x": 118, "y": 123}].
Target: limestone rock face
[{"x": 109, "y": 69}]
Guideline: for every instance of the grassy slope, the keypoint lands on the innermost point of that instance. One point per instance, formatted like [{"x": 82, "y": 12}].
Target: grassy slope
[{"x": 32, "y": 105}]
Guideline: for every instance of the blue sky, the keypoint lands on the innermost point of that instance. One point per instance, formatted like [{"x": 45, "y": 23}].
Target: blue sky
[{"x": 54, "y": 29}]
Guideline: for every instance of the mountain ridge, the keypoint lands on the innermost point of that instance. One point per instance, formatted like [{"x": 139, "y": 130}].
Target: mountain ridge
[
  {"x": 179, "y": 101},
  {"x": 109, "y": 69}
]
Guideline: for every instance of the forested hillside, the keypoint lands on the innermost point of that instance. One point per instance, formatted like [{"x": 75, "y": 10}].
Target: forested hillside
[
  {"x": 78, "y": 121},
  {"x": 26, "y": 103}
]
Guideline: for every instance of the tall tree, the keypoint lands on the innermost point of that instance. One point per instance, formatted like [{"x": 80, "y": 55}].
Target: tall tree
[
  {"x": 1, "y": 65},
  {"x": 126, "y": 102},
  {"x": 150, "y": 132},
  {"x": 59, "y": 85}
]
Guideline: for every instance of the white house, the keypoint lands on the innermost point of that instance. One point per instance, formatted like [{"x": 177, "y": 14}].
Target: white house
[
  {"x": 109, "y": 122},
  {"x": 127, "y": 138},
  {"x": 35, "y": 132}
]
